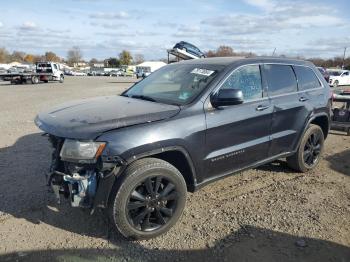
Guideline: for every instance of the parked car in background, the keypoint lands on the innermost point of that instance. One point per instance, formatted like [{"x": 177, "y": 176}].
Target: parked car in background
[
  {"x": 340, "y": 80},
  {"x": 186, "y": 125},
  {"x": 324, "y": 73},
  {"x": 91, "y": 73},
  {"x": 128, "y": 73},
  {"x": 77, "y": 73},
  {"x": 190, "y": 49},
  {"x": 117, "y": 72}
]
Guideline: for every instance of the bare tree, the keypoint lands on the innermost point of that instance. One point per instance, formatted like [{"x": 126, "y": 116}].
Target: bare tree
[
  {"x": 18, "y": 56},
  {"x": 74, "y": 55},
  {"x": 138, "y": 59}
]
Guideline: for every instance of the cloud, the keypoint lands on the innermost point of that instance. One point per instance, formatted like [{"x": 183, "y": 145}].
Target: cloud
[
  {"x": 104, "y": 15},
  {"x": 109, "y": 25},
  {"x": 276, "y": 17},
  {"x": 1, "y": 24},
  {"x": 263, "y": 4},
  {"x": 28, "y": 26}
]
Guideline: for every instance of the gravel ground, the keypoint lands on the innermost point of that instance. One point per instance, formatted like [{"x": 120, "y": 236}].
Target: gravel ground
[{"x": 265, "y": 214}]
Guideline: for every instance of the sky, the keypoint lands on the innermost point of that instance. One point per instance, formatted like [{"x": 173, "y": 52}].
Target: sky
[{"x": 314, "y": 28}]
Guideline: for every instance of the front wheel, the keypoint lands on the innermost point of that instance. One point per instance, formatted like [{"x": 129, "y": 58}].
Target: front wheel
[
  {"x": 149, "y": 199},
  {"x": 336, "y": 84},
  {"x": 309, "y": 152},
  {"x": 61, "y": 79}
]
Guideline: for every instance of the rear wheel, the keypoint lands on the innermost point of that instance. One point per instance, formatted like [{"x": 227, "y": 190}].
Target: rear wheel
[
  {"x": 35, "y": 80},
  {"x": 309, "y": 152},
  {"x": 61, "y": 79},
  {"x": 149, "y": 199}
]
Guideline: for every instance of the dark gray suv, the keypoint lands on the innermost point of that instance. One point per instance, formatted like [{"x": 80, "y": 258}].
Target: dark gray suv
[{"x": 184, "y": 126}]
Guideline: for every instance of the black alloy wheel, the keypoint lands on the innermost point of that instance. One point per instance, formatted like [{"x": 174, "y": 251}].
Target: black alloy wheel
[
  {"x": 148, "y": 199},
  {"x": 309, "y": 152},
  {"x": 152, "y": 203},
  {"x": 312, "y": 149}
]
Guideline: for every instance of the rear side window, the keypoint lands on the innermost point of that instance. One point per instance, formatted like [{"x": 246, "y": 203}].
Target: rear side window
[
  {"x": 306, "y": 78},
  {"x": 281, "y": 79},
  {"x": 248, "y": 79}
]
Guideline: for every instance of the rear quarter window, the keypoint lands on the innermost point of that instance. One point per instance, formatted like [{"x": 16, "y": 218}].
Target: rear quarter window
[
  {"x": 306, "y": 78},
  {"x": 280, "y": 79}
]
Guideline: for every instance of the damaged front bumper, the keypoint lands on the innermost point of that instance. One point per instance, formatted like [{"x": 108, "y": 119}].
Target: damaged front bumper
[{"x": 85, "y": 185}]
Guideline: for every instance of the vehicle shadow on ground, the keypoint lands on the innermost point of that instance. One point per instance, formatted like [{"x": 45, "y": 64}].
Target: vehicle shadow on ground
[
  {"x": 340, "y": 162},
  {"x": 246, "y": 244},
  {"x": 276, "y": 166},
  {"x": 27, "y": 84},
  {"x": 23, "y": 194}
]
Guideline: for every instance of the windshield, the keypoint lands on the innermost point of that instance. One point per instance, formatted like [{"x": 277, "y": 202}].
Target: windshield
[
  {"x": 334, "y": 73},
  {"x": 175, "y": 84}
]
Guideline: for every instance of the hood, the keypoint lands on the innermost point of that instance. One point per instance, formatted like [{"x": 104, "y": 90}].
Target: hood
[{"x": 87, "y": 119}]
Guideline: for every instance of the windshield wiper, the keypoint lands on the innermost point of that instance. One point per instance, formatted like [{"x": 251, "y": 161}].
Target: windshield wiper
[{"x": 147, "y": 98}]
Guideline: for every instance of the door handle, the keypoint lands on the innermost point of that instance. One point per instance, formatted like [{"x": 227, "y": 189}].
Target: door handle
[
  {"x": 303, "y": 99},
  {"x": 261, "y": 108}
]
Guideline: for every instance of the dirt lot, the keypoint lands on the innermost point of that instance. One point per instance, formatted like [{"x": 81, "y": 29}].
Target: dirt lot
[{"x": 265, "y": 214}]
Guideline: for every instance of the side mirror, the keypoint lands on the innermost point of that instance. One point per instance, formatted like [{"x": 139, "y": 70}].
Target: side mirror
[{"x": 227, "y": 97}]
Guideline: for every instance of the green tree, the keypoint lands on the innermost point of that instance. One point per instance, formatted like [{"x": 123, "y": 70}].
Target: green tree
[{"x": 125, "y": 57}]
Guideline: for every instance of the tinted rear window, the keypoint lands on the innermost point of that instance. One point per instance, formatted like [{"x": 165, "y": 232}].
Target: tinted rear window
[
  {"x": 306, "y": 78},
  {"x": 280, "y": 79}
]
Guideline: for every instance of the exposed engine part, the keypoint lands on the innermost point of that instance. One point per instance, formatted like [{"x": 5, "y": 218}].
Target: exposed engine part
[{"x": 82, "y": 188}]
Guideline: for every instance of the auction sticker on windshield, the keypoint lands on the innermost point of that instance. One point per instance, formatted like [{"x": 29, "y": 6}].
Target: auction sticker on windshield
[{"x": 203, "y": 72}]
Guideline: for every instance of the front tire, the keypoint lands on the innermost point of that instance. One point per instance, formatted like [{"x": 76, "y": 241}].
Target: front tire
[
  {"x": 310, "y": 150},
  {"x": 148, "y": 199},
  {"x": 61, "y": 79},
  {"x": 336, "y": 84}
]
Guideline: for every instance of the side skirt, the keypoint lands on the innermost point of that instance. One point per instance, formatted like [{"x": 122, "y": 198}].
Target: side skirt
[{"x": 236, "y": 171}]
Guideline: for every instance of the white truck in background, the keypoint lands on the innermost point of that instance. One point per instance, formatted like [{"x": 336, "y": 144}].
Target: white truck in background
[
  {"x": 146, "y": 68},
  {"x": 44, "y": 71}
]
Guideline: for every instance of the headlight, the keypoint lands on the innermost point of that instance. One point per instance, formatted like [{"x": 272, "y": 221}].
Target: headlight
[{"x": 79, "y": 150}]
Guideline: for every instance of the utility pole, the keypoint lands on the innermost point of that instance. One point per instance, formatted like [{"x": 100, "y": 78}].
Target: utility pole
[
  {"x": 274, "y": 50},
  {"x": 342, "y": 67}
]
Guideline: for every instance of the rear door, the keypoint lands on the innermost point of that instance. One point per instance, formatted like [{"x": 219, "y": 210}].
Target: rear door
[
  {"x": 238, "y": 136},
  {"x": 311, "y": 92},
  {"x": 289, "y": 113}
]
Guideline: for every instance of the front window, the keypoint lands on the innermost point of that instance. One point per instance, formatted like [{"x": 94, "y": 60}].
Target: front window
[
  {"x": 177, "y": 84},
  {"x": 248, "y": 79},
  {"x": 334, "y": 73}
]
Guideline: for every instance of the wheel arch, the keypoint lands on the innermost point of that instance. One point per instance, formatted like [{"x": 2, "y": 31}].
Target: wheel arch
[
  {"x": 323, "y": 122},
  {"x": 176, "y": 156}
]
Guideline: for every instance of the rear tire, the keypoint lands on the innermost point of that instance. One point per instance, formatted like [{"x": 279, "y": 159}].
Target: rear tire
[
  {"x": 61, "y": 79},
  {"x": 35, "y": 80},
  {"x": 148, "y": 199},
  {"x": 309, "y": 151}
]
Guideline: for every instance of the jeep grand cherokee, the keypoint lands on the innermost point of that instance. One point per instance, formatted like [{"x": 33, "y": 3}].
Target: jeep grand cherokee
[{"x": 184, "y": 126}]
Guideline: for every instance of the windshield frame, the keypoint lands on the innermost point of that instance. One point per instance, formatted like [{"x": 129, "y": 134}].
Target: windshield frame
[{"x": 218, "y": 68}]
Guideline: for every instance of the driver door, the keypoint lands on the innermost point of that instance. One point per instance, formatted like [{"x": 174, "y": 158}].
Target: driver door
[{"x": 238, "y": 136}]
